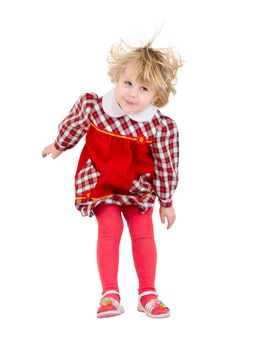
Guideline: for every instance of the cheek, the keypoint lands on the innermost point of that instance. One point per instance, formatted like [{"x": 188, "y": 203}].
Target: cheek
[
  {"x": 146, "y": 100},
  {"x": 117, "y": 92},
  {"x": 120, "y": 90}
]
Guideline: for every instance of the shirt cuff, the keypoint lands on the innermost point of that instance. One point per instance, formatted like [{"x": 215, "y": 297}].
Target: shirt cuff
[
  {"x": 58, "y": 147},
  {"x": 165, "y": 204}
]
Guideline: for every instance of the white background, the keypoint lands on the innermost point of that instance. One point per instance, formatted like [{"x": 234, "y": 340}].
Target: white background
[{"x": 53, "y": 51}]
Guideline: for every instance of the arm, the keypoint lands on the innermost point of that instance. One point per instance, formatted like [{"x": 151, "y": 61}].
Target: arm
[
  {"x": 73, "y": 127},
  {"x": 165, "y": 149}
]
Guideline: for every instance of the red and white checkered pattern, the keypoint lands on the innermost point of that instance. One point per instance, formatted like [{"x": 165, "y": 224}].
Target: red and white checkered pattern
[{"x": 160, "y": 129}]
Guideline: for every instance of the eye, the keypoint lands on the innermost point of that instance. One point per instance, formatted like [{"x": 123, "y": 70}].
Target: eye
[
  {"x": 144, "y": 88},
  {"x": 127, "y": 82}
]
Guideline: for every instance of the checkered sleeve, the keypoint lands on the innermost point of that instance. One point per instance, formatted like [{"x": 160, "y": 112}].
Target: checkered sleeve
[
  {"x": 165, "y": 149},
  {"x": 76, "y": 124}
]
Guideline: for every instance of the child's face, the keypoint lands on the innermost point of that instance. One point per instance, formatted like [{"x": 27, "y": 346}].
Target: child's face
[{"x": 132, "y": 95}]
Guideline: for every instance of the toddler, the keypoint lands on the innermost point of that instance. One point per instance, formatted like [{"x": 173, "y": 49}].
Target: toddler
[{"x": 130, "y": 157}]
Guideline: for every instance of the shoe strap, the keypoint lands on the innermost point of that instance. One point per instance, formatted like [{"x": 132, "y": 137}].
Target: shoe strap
[
  {"x": 110, "y": 292},
  {"x": 111, "y": 301},
  {"x": 148, "y": 292}
]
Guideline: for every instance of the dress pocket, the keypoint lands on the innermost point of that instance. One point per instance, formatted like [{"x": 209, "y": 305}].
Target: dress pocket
[{"x": 85, "y": 181}]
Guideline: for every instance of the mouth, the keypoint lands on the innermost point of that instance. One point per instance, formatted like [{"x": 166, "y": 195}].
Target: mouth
[{"x": 130, "y": 103}]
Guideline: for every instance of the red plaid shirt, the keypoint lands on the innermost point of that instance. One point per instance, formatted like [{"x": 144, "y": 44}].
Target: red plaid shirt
[{"x": 162, "y": 130}]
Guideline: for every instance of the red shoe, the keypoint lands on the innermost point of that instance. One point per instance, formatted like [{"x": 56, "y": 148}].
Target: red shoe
[
  {"x": 153, "y": 308},
  {"x": 109, "y": 306}
]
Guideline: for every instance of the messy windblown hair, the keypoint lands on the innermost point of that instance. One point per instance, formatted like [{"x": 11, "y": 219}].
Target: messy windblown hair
[{"x": 155, "y": 66}]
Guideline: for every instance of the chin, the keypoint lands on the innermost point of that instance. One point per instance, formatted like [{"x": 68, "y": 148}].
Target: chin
[{"x": 129, "y": 111}]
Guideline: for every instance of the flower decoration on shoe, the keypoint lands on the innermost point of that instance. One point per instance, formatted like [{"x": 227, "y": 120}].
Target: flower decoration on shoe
[
  {"x": 158, "y": 303},
  {"x": 163, "y": 306},
  {"x": 106, "y": 302}
]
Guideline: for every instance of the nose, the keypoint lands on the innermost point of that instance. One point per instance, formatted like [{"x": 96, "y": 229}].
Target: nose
[{"x": 133, "y": 93}]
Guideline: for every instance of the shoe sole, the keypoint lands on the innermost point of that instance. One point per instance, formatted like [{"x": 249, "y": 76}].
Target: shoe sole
[
  {"x": 141, "y": 309},
  {"x": 110, "y": 313}
]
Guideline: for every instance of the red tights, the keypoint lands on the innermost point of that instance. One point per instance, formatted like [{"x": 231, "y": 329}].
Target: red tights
[{"x": 110, "y": 227}]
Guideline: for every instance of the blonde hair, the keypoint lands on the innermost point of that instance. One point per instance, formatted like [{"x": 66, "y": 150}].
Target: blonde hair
[{"x": 155, "y": 66}]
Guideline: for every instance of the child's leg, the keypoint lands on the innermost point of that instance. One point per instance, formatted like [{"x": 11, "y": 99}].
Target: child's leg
[
  {"x": 143, "y": 245},
  {"x": 110, "y": 227},
  {"x": 145, "y": 257}
]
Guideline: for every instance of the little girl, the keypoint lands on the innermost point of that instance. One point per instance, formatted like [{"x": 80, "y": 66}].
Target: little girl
[{"x": 130, "y": 157}]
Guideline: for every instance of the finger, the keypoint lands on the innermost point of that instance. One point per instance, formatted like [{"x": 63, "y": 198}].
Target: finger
[
  {"x": 169, "y": 222},
  {"x": 44, "y": 153},
  {"x": 162, "y": 217},
  {"x": 55, "y": 155}
]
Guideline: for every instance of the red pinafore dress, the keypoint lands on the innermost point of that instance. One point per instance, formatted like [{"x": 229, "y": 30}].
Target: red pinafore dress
[{"x": 115, "y": 166}]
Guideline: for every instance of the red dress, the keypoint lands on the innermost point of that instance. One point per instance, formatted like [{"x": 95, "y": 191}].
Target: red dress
[{"x": 121, "y": 161}]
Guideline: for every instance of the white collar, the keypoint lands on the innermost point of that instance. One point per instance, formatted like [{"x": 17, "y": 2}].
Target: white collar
[{"x": 112, "y": 108}]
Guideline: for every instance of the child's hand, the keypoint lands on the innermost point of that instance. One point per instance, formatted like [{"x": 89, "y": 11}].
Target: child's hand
[
  {"x": 51, "y": 149},
  {"x": 167, "y": 213}
]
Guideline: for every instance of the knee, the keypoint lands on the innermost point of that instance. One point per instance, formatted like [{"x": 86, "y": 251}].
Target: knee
[
  {"x": 110, "y": 230},
  {"x": 110, "y": 227},
  {"x": 110, "y": 224},
  {"x": 140, "y": 225},
  {"x": 141, "y": 231},
  {"x": 142, "y": 236}
]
